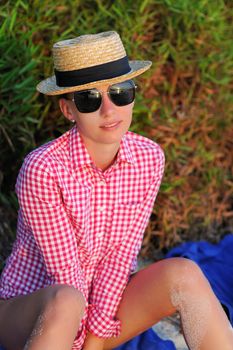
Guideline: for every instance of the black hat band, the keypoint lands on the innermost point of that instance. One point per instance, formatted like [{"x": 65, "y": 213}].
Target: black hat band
[{"x": 87, "y": 75}]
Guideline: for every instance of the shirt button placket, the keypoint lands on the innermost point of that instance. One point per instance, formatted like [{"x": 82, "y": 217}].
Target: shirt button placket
[{"x": 101, "y": 207}]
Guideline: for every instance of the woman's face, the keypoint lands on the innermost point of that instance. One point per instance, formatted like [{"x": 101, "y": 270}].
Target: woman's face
[{"x": 108, "y": 124}]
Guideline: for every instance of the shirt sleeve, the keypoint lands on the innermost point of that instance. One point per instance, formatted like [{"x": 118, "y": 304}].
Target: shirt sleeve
[
  {"x": 45, "y": 217},
  {"x": 113, "y": 273}
]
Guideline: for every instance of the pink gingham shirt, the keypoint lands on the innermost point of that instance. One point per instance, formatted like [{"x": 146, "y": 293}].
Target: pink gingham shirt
[{"x": 81, "y": 226}]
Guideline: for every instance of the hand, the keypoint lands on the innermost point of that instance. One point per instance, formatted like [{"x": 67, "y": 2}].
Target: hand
[{"x": 93, "y": 343}]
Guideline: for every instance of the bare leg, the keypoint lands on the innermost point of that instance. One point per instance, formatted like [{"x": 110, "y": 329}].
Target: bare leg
[
  {"x": 46, "y": 319},
  {"x": 165, "y": 287}
]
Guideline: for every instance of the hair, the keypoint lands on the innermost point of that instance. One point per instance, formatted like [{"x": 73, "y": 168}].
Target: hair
[{"x": 65, "y": 96}]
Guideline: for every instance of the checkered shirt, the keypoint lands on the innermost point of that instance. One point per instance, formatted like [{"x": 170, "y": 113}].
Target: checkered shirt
[{"x": 81, "y": 226}]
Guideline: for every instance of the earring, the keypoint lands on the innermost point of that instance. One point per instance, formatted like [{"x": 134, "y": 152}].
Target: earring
[{"x": 72, "y": 120}]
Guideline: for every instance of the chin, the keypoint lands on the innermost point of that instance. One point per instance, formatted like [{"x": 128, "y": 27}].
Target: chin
[
  {"x": 113, "y": 137},
  {"x": 110, "y": 140}
]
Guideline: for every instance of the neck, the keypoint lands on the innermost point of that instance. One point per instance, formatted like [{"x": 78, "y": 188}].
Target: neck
[{"x": 103, "y": 155}]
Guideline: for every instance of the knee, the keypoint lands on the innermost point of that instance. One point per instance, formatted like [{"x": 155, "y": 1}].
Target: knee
[
  {"x": 185, "y": 273},
  {"x": 63, "y": 299}
]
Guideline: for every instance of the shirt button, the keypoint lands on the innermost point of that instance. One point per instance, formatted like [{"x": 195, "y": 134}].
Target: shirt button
[
  {"x": 101, "y": 183},
  {"x": 101, "y": 208}
]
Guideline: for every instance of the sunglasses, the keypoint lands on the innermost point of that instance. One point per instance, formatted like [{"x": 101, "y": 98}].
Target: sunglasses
[{"x": 121, "y": 94}]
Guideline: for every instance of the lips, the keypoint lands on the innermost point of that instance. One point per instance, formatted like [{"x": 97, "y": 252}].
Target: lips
[{"x": 110, "y": 125}]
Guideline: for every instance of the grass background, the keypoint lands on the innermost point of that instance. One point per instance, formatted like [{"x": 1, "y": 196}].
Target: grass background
[{"x": 184, "y": 103}]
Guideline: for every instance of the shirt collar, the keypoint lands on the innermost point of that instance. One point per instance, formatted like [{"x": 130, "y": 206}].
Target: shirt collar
[
  {"x": 78, "y": 152},
  {"x": 125, "y": 153}
]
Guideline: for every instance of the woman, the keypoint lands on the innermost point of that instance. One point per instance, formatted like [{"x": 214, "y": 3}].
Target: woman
[{"x": 85, "y": 200}]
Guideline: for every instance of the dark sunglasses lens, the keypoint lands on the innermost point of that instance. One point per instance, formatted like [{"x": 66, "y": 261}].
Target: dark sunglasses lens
[
  {"x": 87, "y": 101},
  {"x": 122, "y": 94}
]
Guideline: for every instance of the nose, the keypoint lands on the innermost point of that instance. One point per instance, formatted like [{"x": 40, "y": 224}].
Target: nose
[{"x": 107, "y": 106}]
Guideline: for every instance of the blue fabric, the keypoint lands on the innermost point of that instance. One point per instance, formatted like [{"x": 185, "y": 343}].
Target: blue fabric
[{"x": 216, "y": 262}]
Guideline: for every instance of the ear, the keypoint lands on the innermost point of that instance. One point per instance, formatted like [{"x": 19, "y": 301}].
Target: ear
[{"x": 66, "y": 108}]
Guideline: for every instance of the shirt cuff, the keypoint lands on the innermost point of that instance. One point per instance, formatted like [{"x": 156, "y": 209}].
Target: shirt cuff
[{"x": 101, "y": 325}]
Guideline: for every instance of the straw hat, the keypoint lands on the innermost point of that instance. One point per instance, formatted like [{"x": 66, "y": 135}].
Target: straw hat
[{"x": 89, "y": 60}]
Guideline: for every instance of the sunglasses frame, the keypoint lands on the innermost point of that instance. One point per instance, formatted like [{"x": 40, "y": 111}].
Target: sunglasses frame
[{"x": 108, "y": 93}]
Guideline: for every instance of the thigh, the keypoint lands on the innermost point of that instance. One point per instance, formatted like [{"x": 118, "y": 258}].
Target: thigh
[
  {"x": 19, "y": 314},
  {"x": 145, "y": 301}
]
